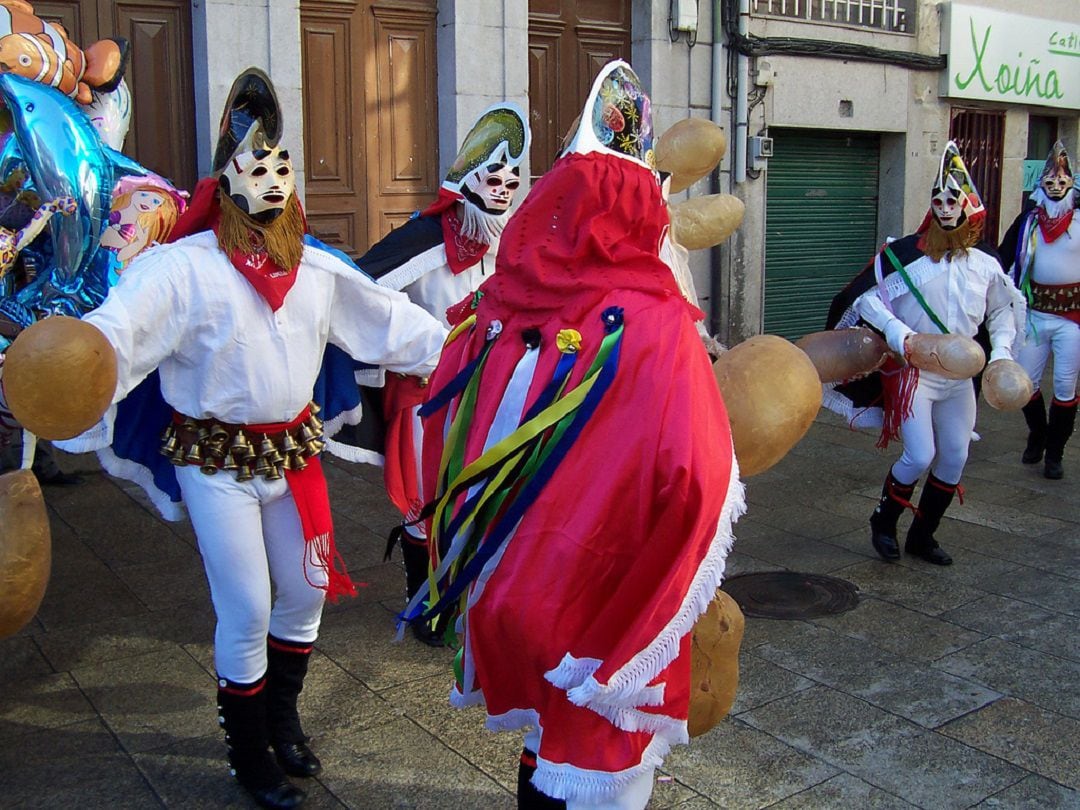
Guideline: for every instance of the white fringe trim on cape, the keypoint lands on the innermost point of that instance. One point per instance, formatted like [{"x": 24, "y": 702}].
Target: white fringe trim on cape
[
  {"x": 869, "y": 417},
  {"x": 420, "y": 265},
  {"x": 130, "y": 471},
  {"x": 629, "y": 686}
]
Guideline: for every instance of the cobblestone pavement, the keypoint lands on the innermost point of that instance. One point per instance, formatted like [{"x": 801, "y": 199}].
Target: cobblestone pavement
[{"x": 944, "y": 688}]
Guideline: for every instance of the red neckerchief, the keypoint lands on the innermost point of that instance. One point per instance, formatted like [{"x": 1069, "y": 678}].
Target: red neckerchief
[
  {"x": 204, "y": 213},
  {"x": 270, "y": 280},
  {"x": 461, "y": 251},
  {"x": 1053, "y": 227}
]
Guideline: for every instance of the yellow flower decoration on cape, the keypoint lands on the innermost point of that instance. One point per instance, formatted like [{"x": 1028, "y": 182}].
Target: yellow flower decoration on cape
[{"x": 568, "y": 340}]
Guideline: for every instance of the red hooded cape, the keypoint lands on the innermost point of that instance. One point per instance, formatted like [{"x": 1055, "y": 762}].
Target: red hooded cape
[{"x": 581, "y": 623}]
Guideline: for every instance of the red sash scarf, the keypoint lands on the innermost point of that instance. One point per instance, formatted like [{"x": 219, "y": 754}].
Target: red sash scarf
[
  {"x": 309, "y": 492},
  {"x": 1053, "y": 227},
  {"x": 461, "y": 251}
]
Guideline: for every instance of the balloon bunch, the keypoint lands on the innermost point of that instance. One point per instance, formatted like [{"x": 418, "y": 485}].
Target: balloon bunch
[{"x": 56, "y": 154}]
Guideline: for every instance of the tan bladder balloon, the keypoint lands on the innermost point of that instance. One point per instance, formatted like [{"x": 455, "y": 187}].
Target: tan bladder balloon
[
  {"x": 772, "y": 393},
  {"x": 702, "y": 222},
  {"x": 25, "y": 550},
  {"x": 844, "y": 354},
  {"x": 689, "y": 150},
  {"x": 952, "y": 356},
  {"x": 1006, "y": 386},
  {"x": 714, "y": 663},
  {"x": 59, "y": 377}
]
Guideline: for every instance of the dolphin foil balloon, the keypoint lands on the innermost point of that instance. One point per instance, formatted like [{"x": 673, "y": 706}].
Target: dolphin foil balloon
[{"x": 55, "y": 142}]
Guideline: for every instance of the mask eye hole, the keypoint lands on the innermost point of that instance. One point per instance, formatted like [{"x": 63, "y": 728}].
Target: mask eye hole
[
  {"x": 283, "y": 171},
  {"x": 494, "y": 182},
  {"x": 258, "y": 171},
  {"x": 513, "y": 184}
]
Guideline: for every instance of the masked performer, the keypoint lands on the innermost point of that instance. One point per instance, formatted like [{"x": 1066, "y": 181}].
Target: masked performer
[
  {"x": 581, "y": 464},
  {"x": 1042, "y": 248},
  {"x": 439, "y": 258},
  {"x": 940, "y": 280},
  {"x": 235, "y": 318}
]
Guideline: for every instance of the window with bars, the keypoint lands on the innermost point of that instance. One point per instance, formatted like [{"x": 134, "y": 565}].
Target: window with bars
[{"x": 897, "y": 16}]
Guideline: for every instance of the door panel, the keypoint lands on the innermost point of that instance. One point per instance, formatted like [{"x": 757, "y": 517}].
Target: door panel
[
  {"x": 370, "y": 116},
  {"x": 569, "y": 42},
  {"x": 333, "y": 124},
  {"x": 405, "y": 142},
  {"x": 159, "y": 74}
]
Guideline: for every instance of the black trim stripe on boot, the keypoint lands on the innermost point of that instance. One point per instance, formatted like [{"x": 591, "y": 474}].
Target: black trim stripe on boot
[
  {"x": 895, "y": 498},
  {"x": 528, "y": 797},
  {"x": 287, "y": 665},
  {"x": 935, "y": 499},
  {"x": 242, "y": 713},
  {"x": 1035, "y": 417},
  {"x": 1059, "y": 427}
]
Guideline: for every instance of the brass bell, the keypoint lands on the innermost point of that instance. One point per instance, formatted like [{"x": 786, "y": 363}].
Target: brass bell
[
  {"x": 241, "y": 448},
  {"x": 274, "y": 473},
  {"x": 314, "y": 407},
  {"x": 218, "y": 433},
  {"x": 288, "y": 444},
  {"x": 194, "y": 455},
  {"x": 263, "y": 467},
  {"x": 170, "y": 445},
  {"x": 298, "y": 462},
  {"x": 178, "y": 457},
  {"x": 266, "y": 447},
  {"x": 229, "y": 463},
  {"x": 208, "y": 467},
  {"x": 305, "y": 434},
  {"x": 243, "y": 473}
]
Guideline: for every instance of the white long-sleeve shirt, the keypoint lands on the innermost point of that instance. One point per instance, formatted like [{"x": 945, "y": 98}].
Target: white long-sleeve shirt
[
  {"x": 962, "y": 290},
  {"x": 223, "y": 353}
]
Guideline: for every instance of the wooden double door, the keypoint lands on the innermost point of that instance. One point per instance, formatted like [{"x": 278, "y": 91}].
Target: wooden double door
[
  {"x": 371, "y": 144},
  {"x": 159, "y": 74}
]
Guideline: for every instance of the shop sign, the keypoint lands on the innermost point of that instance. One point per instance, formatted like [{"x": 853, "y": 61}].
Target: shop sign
[{"x": 1012, "y": 58}]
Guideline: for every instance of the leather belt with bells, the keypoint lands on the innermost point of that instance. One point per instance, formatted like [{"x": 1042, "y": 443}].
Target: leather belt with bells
[
  {"x": 244, "y": 449},
  {"x": 1057, "y": 299}
]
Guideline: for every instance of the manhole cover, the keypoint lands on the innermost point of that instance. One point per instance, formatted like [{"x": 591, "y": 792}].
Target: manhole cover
[{"x": 790, "y": 595}]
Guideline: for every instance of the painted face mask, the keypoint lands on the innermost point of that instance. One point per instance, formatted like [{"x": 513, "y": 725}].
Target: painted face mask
[
  {"x": 617, "y": 118},
  {"x": 259, "y": 182},
  {"x": 954, "y": 199},
  {"x": 1057, "y": 176},
  {"x": 252, "y": 169},
  {"x": 487, "y": 169},
  {"x": 491, "y": 188}
]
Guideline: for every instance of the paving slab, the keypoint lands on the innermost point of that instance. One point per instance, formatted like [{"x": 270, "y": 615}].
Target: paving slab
[
  {"x": 886, "y": 751},
  {"x": 1026, "y": 735},
  {"x": 879, "y": 677},
  {"x": 1045, "y": 680}
]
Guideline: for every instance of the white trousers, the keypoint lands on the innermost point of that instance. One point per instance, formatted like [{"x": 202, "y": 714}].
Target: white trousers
[
  {"x": 1052, "y": 334},
  {"x": 252, "y": 545},
  {"x": 938, "y": 431}
]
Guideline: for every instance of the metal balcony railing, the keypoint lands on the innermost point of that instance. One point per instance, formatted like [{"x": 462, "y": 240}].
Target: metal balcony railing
[{"x": 895, "y": 16}]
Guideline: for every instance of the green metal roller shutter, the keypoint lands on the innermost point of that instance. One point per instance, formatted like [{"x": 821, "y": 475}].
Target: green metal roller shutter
[{"x": 820, "y": 223}]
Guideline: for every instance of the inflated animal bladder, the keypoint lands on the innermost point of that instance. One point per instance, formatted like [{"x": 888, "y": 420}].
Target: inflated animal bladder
[
  {"x": 25, "y": 550},
  {"x": 952, "y": 356},
  {"x": 59, "y": 377},
  {"x": 702, "y": 222},
  {"x": 714, "y": 663},
  {"x": 1006, "y": 386},
  {"x": 772, "y": 393},
  {"x": 689, "y": 150},
  {"x": 844, "y": 354}
]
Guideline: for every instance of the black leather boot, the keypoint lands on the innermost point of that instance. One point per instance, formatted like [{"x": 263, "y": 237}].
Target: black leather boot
[
  {"x": 414, "y": 552},
  {"x": 895, "y": 497},
  {"x": 287, "y": 665},
  {"x": 935, "y": 499},
  {"x": 242, "y": 713},
  {"x": 529, "y": 798},
  {"x": 1035, "y": 416},
  {"x": 1059, "y": 428}
]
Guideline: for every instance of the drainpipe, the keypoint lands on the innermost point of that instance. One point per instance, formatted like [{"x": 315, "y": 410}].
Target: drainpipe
[
  {"x": 718, "y": 309},
  {"x": 742, "y": 73}
]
